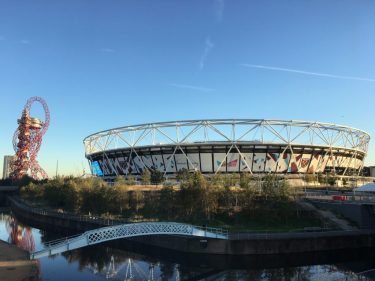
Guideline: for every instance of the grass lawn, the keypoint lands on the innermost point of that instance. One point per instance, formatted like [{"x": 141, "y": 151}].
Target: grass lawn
[{"x": 243, "y": 223}]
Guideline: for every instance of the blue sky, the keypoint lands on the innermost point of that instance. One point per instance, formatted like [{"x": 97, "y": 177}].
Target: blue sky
[{"x": 104, "y": 64}]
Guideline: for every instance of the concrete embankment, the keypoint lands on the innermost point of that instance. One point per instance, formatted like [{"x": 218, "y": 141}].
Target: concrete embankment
[
  {"x": 257, "y": 244},
  {"x": 238, "y": 244},
  {"x": 15, "y": 264},
  {"x": 361, "y": 213}
]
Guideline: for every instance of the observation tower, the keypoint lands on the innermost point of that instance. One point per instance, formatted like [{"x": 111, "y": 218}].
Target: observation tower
[{"x": 27, "y": 140}]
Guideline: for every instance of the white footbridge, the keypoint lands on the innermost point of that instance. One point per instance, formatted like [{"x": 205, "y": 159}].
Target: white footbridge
[{"x": 104, "y": 234}]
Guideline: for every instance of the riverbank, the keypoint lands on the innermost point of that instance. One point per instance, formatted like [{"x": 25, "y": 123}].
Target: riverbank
[
  {"x": 237, "y": 244},
  {"x": 219, "y": 202},
  {"x": 15, "y": 264}
]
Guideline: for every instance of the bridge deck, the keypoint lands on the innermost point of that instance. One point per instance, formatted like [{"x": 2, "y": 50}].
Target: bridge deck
[{"x": 124, "y": 231}]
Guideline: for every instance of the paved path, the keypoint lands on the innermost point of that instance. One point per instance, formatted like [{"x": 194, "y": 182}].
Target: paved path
[
  {"x": 328, "y": 215},
  {"x": 15, "y": 264}
]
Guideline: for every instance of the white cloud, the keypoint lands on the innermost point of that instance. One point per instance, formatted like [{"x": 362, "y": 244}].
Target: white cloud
[
  {"x": 25, "y": 42},
  {"x": 307, "y": 72},
  {"x": 208, "y": 46},
  {"x": 191, "y": 87},
  {"x": 107, "y": 50},
  {"x": 219, "y": 9}
]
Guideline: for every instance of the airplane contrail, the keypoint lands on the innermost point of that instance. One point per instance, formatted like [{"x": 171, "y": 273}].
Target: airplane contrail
[{"x": 307, "y": 72}]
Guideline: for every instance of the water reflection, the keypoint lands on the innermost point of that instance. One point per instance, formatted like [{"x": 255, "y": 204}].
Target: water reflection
[
  {"x": 115, "y": 261},
  {"x": 19, "y": 235},
  {"x": 115, "y": 264}
]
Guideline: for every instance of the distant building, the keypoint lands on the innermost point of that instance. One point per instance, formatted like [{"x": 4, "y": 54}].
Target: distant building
[
  {"x": 368, "y": 171},
  {"x": 372, "y": 171},
  {"x": 7, "y": 166}
]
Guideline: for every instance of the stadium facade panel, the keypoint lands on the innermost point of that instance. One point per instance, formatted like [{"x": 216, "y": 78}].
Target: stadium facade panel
[{"x": 228, "y": 146}]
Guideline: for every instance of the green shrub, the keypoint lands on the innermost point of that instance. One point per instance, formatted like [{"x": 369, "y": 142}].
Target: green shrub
[
  {"x": 146, "y": 177},
  {"x": 331, "y": 180},
  {"x": 157, "y": 177}
]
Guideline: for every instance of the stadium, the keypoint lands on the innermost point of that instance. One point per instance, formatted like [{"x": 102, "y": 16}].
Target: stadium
[{"x": 255, "y": 146}]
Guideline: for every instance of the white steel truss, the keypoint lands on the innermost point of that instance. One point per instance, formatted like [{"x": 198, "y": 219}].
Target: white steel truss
[
  {"x": 104, "y": 234},
  {"x": 232, "y": 132}
]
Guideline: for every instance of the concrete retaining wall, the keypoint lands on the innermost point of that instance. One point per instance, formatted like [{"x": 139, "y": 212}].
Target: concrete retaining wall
[
  {"x": 363, "y": 215},
  {"x": 270, "y": 246}
]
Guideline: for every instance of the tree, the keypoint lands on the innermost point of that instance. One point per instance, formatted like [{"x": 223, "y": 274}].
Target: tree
[
  {"x": 284, "y": 190},
  {"x": 137, "y": 200},
  {"x": 146, "y": 177},
  {"x": 198, "y": 180},
  {"x": 95, "y": 197},
  {"x": 231, "y": 180},
  {"x": 121, "y": 198},
  {"x": 209, "y": 201},
  {"x": 130, "y": 180},
  {"x": 157, "y": 177},
  {"x": 25, "y": 180},
  {"x": 344, "y": 181},
  {"x": 32, "y": 191},
  {"x": 217, "y": 181},
  {"x": 183, "y": 175},
  {"x": 62, "y": 193},
  {"x": 167, "y": 202},
  {"x": 189, "y": 199},
  {"x": 244, "y": 180},
  {"x": 120, "y": 181},
  {"x": 331, "y": 180},
  {"x": 269, "y": 186},
  {"x": 273, "y": 187},
  {"x": 309, "y": 178},
  {"x": 321, "y": 178},
  {"x": 197, "y": 198}
]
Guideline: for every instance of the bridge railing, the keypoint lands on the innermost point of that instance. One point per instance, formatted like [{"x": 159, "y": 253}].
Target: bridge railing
[
  {"x": 216, "y": 230},
  {"x": 60, "y": 240},
  {"x": 154, "y": 228},
  {"x": 109, "y": 233}
]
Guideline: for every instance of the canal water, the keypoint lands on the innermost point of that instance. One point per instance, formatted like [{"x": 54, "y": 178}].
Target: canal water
[{"x": 109, "y": 262}]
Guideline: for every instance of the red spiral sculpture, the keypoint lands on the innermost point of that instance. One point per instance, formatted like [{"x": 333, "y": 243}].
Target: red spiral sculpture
[{"x": 27, "y": 140}]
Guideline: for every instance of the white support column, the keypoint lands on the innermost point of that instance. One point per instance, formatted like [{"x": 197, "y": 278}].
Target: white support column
[
  {"x": 225, "y": 158},
  {"x": 243, "y": 157}
]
